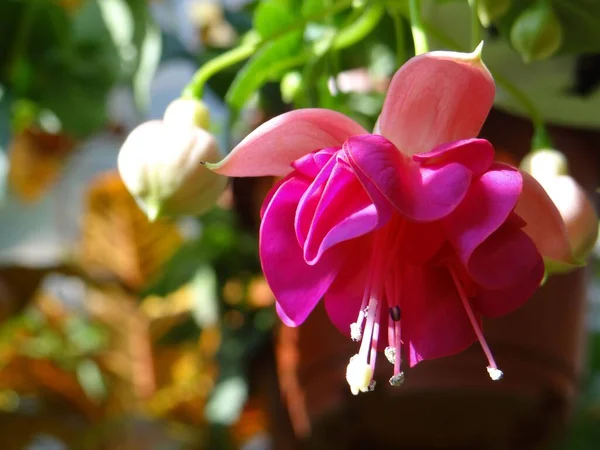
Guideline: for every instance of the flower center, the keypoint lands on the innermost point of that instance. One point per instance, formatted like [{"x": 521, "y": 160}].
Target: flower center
[{"x": 382, "y": 295}]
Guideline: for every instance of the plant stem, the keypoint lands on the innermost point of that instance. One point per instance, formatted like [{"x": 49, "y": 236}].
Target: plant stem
[
  {"x": 475, "y": 25},
  {"x": 21, "y": 39},
  {"x": 416, "y": 26},
  {"x": 400, "y": 41},
  {"x": 195, "y": 87}
]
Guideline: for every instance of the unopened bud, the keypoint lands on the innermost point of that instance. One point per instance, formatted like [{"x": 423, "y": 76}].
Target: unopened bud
[
  {"x": 545, "y": 163},
  {"x": 537, "y": 33},
  {"x": 550, "y": 168},
  {"x": 291, "y": 84},
  {"x": 187, "y": 112},
  {"x": 490, "y": 10},
  {"x": 162, "y": 166}
]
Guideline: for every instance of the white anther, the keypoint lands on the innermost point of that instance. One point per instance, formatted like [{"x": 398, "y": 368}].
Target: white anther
[
  {"x": 495, "y": 374},
  {"x": 359, "y": 375},
  {"x": 355, "y": 332},
  {"x": 397, "y": 380},
  {"x": 390, "y": 354}
]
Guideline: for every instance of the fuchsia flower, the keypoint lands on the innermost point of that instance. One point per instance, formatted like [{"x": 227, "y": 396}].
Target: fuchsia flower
[{"x": 410, "y": 234}]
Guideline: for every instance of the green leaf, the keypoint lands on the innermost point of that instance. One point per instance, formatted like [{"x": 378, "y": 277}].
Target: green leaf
[
  {"x": 270, "y": 63},
  {"x": 273, "y": 17},
  {"x": 580, "y": 21},
  {"x": 311, "y": 8}
]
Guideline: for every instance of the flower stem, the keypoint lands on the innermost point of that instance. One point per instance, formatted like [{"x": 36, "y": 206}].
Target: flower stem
[
  {"x": 475, "y": 25},
  {"x": 196, "y": 85},
  {"x": 25, "y": 22},
  {"x": 400, "y": 41},
  {"x": 416, "y": 26}
]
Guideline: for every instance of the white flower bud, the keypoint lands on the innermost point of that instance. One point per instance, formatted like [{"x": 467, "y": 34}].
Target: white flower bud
[
  {"x": 187, "y": 112},
  {"x": 161, "y": 164}
]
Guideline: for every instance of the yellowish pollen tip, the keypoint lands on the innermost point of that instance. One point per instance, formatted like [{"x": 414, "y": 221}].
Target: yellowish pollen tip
[{"x": 359, "y": 375}]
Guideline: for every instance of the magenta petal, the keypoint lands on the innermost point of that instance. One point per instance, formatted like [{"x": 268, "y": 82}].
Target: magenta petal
[
  {"x": 310, "y": 165},
  {"x": 476, "y": 154},
  {"x": 297, "y": 286},
  {"x": 502, "y": 259},
  {"x": 487, "y": 205},
  {"x": 420, "y": 194},
  {"x": 273, "y": 146},
  {"x": 343, "y": 299},
  {"x": 434, "y": 322},
  {"x": 345, "y": 212},
  {"x": 309, "y": 201},
  {"x": 499, "y": 302}
]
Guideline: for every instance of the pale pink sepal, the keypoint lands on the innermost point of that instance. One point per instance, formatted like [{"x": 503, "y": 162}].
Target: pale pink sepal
[
  {"x": 436, "y": 98},
  {"x": 577, "y": 212},
  {"x": 545, "y": 225},
  {"x": 273, "y": 146}
]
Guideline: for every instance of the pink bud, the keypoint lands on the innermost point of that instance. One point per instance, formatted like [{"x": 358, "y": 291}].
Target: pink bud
[{"x": 549, "y": 168}]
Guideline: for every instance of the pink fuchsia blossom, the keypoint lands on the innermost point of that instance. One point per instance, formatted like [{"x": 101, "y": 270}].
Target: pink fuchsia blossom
[{"x": 410, "y": 234}]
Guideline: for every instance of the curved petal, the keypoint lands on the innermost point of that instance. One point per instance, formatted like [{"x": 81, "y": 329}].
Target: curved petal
[
  {"x": 273, "y": 146},
  {"x": 476, "y": 154},
  {"x": 434, "y": 322},
  {"x": 420, "y": 194},
  {"x": 344, "y": 298},
  {"x": 271, "y": 193},
  {"x": 309, "y": 201},
  {"x": 487, "y": 205},
  {"x": 297, "y": 286},
  {"x": 502, "y": 259},
  {"x": 345, "y": 211},
  {"x": 545, "y": 225},
  {"x": 499, "y": 302},
  {"x": 311, "y": 164},
  {"x": 435, "y": 98}
]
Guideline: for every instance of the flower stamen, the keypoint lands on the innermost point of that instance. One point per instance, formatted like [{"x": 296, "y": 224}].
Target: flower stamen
[{"x": 493, "y": 371}]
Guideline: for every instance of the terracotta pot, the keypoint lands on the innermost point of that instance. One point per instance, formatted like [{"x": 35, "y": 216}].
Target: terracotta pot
[{"x": 450, "y": 402}]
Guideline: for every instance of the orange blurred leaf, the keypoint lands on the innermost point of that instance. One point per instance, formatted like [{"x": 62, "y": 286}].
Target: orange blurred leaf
[
  {"x": 118, "y": 240},
  {"x": 36, "y": 158}
]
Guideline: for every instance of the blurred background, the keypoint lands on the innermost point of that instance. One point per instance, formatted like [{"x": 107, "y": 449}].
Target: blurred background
[{"x": 118, "y": 333}]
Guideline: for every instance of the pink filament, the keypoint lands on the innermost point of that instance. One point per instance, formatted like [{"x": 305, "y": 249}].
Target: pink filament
[{"x": 473, "y": 320}]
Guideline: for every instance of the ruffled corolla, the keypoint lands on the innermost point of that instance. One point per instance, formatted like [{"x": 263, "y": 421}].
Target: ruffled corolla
[{"x": 410, "y": 234}]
